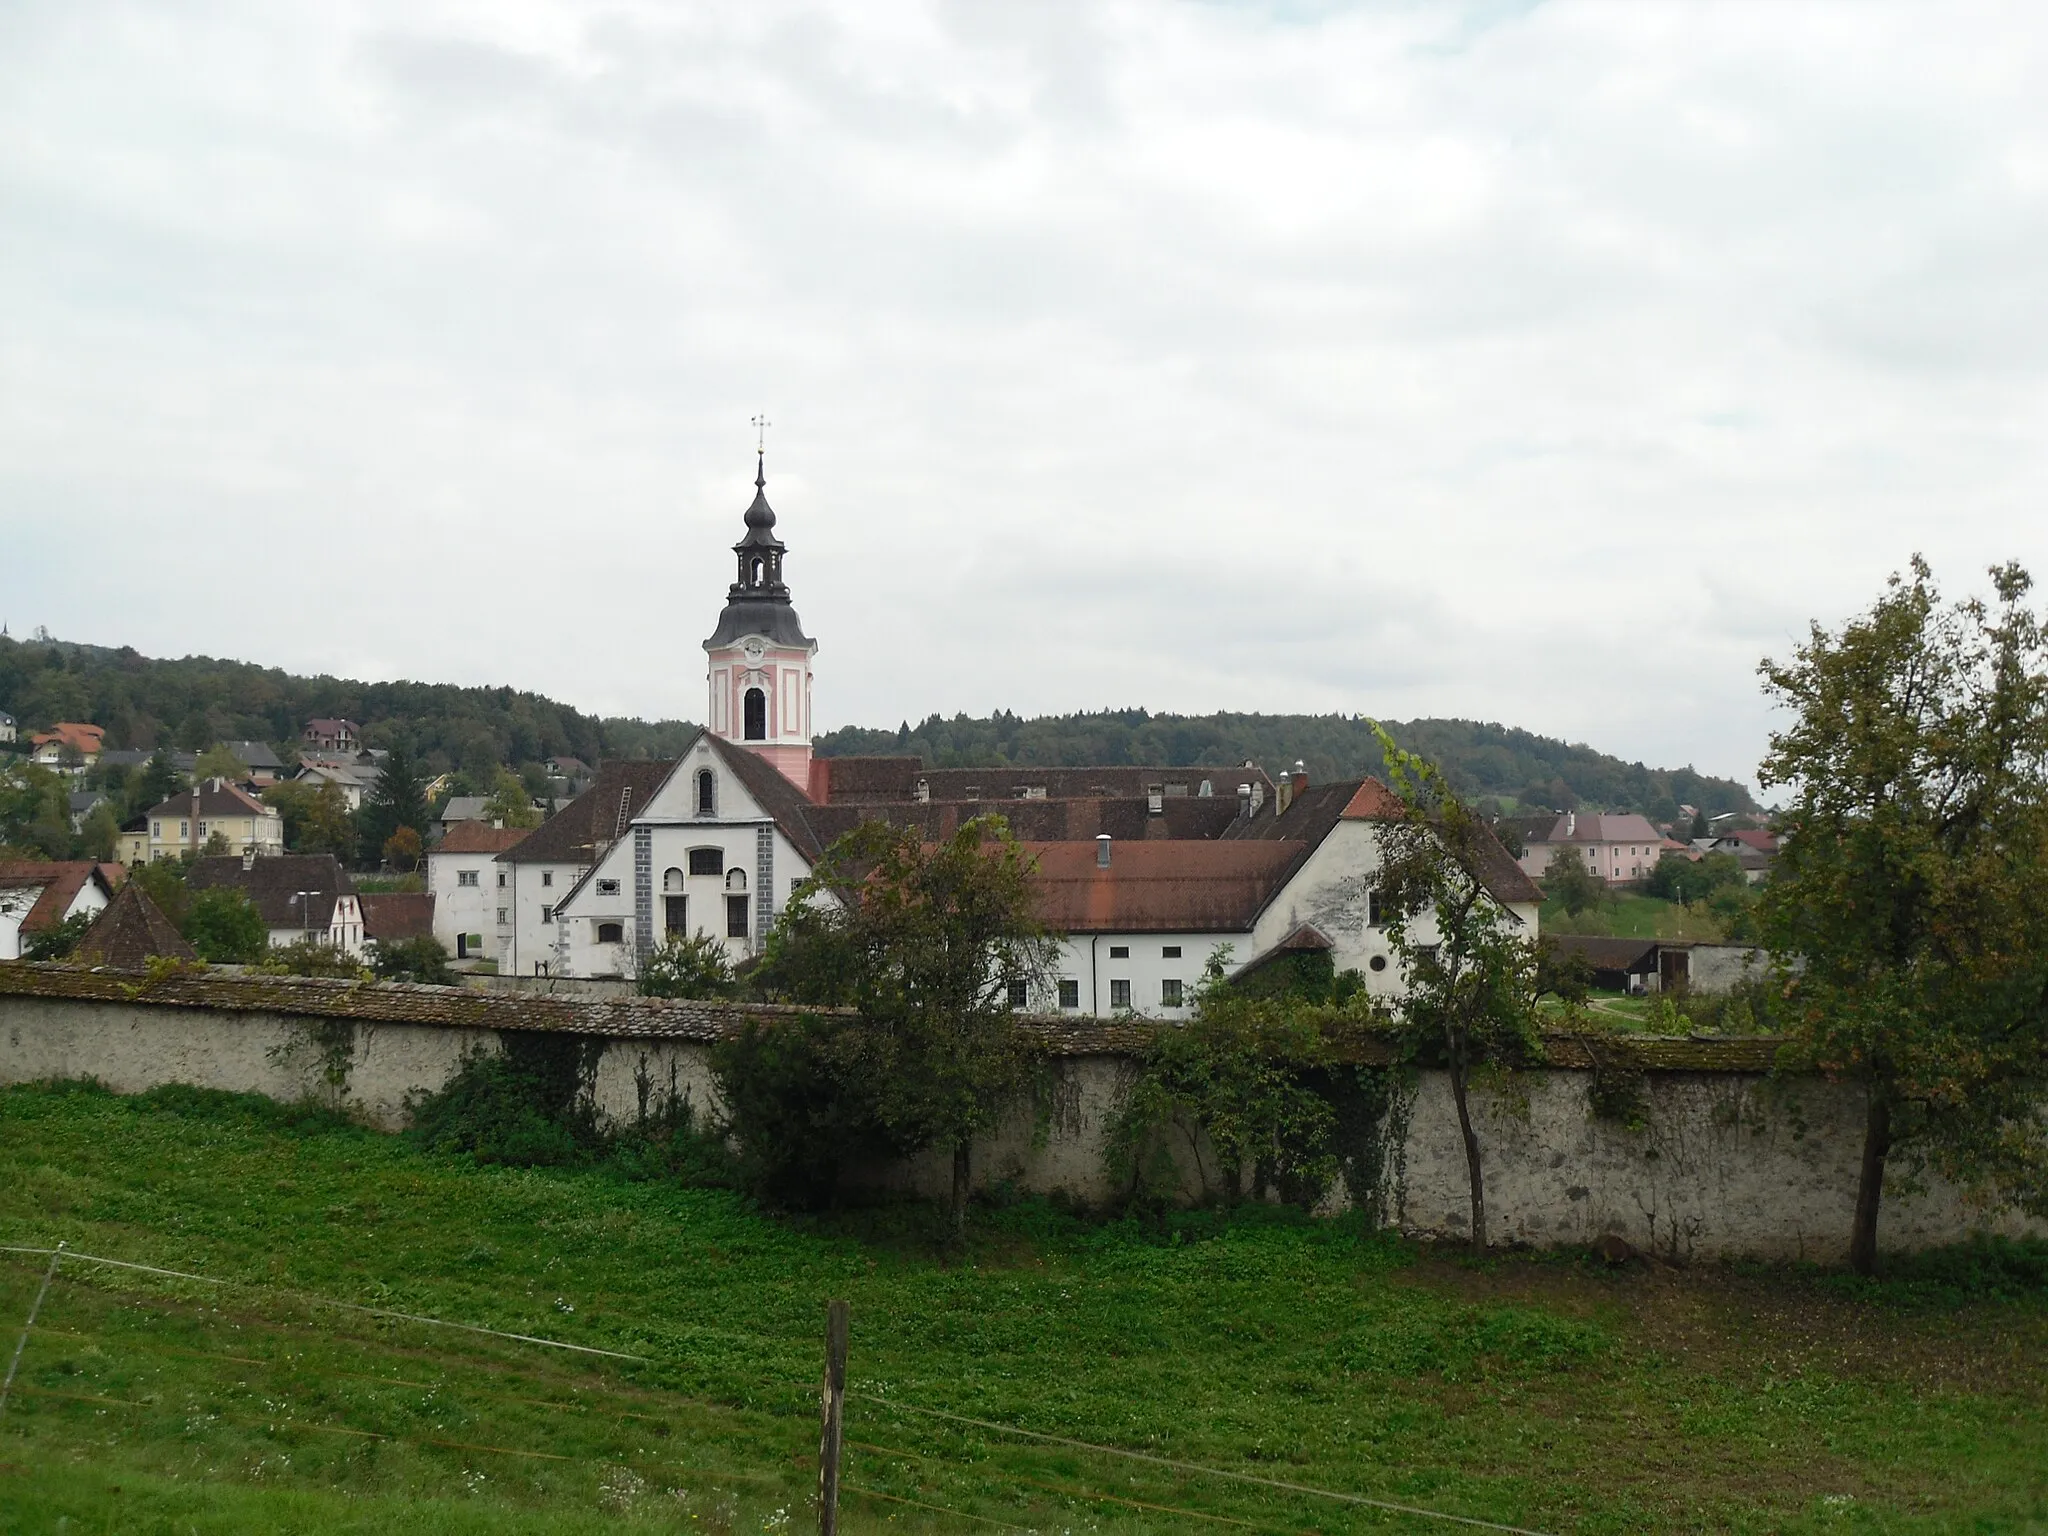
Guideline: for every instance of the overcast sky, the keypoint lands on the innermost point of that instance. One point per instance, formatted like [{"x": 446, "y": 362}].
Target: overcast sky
[{"x": 1542, "y": 363}]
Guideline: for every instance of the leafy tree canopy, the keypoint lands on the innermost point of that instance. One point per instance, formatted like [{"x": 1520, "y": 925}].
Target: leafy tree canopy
[{"x": 1909, "y": 905}]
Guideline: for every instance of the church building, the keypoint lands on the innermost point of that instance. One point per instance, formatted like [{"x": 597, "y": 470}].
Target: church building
[{"x": 1149, "y": 873}]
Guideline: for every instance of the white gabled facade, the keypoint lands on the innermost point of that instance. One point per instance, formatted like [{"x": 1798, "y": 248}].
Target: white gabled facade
[
  {"x": 703, "y": 857},
  {"x": 470, "y": 887}
]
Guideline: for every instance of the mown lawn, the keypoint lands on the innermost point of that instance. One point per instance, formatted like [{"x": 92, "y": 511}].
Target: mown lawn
[{"x": 1545, "y": 1392}]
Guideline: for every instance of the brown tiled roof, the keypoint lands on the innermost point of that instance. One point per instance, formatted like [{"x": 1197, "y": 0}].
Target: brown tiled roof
[
  {"x": 130, "y": 932},
  {"x": 481, "y": 837},
  {"x": 61, "y": 881},
  {"x": 275, "y": 884},
  {"x": 572, "y": 834},
  {"x": 1160, "y": 887},
  {"x": 397, "y": 914},
  {"x": 216, "y": 797},
  {"x": 656, "y": 1018},
  {"x": 1598, "y": 827},
  {"x": 1046, "y": 821},
  {"x": 866, "y": 780}
]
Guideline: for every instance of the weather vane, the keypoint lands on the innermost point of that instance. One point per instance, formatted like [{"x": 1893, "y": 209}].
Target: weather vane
[{"x": 761, "y": 426}]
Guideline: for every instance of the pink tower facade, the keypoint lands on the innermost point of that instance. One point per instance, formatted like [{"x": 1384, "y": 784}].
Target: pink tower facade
[{"x": 759, "y": 673}]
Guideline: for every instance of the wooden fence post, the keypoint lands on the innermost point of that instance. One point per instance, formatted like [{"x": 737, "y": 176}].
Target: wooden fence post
[{"x": 835, "y": 1397}]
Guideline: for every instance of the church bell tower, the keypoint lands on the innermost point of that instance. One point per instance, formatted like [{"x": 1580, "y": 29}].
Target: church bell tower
[{"x": 760, "y": 657}]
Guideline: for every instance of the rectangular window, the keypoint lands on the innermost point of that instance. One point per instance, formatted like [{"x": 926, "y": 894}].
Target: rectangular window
[
  {"x": 184, "y": 829},
  {"x": 466, "y": 877},
  {"x": 707, "y": 861},
  {"x": 607, "y": 887},
  {"x": 611, "y": 933},
  {"x": 156, "y": 829},
  {"x": 501, "y": 916},
  {"x": 1375, "y": 910},
  {"x": 676, "y": 914},
  {"x": 1119, "y": 951},
  {"x": 1020, "y": 994},
  {"x": 735, "y": 917},
  {"x": 1170, "y": 993},
  {"x": 1070, "y": 994},
  {"x": 501, "y": 879},
  {"x": 1169, "y": 952},
  {"x": 1119, "y": 994},
  {"x": 547, "y": 877}
]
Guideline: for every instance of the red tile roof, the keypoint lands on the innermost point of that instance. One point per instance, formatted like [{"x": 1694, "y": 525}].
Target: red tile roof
[
  {"x": 480, "y": 837},
  {"x": 397, "y": 914},
  {"x": 73, "y": 733},
  {"x": 1160, "y": 887},
  {"x": 60, "y": 881}
]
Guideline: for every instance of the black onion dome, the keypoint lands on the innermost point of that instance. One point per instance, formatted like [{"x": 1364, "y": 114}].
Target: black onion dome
[{"x": 758, "y": 603}]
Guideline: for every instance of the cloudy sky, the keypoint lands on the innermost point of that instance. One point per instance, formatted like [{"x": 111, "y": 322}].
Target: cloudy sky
[{"x": 1547, "y": 363}]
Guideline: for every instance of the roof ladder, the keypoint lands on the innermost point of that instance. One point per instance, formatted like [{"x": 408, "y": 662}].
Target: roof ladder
[{"x": 625, "y": 813}]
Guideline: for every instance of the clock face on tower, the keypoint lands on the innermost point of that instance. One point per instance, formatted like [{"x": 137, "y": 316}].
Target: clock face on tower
[{"x": 753, "y": 650}]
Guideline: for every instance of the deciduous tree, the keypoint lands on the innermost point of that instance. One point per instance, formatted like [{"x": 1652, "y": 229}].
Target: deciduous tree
[
  {"x": 1468, "y": 964},
  {"x": 1908, "y": 910},
  {"x": 923, "y": 942}
]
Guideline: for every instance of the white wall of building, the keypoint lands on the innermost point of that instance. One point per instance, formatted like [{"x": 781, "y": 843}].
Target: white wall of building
[{"x": 466, "y": 899}]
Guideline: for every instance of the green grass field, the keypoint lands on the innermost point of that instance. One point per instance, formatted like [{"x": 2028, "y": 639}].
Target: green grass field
[
  {"x": 1546, "y": 1392},
  {"x": 1626, "y": 915}
]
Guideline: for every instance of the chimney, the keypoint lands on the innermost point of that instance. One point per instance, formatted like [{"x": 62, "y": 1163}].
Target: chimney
[
  {"x": 1300, "y": 775},
  {"x": 248, "y": 858},
  {"x": 1244, "y": 802},
  {"x": 924, "y": 791},
  {"x": 1571, "y": 824},
  {"x": 1155, "y": 801},
  {"x": 1284, "y": 794},
  {"x": 1258, "y": 796},
  {"x": 1102, "y": 850}
]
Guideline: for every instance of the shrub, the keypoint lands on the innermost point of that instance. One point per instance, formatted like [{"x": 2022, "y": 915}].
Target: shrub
[
  {"x": 419, "y": 959},
  {"x": 795, "y": 1106},
  {"x": 687, "y": 967},
  {"x": 310, "y": 957},
  {"x": 528, "y": 1106},
  {"x": 225, "y": 927}
]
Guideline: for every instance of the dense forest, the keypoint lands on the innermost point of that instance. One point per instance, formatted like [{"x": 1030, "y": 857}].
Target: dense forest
[
  {"x": 1497, "y": 762},
  {"x": 194, "y": 701}
]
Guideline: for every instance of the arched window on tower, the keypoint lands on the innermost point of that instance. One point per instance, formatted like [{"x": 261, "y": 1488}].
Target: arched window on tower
[
  {"x": 706, "y": 790},
  {"x": 754, "y": 572},
  {"x": 756, "y": 715}
]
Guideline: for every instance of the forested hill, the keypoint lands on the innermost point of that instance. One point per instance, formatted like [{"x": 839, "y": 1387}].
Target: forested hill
[
  {"x": 1480, "y": 759},
  {"x": 194, "y": 701}
]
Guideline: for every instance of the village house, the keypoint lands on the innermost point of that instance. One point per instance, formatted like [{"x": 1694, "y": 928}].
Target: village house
[
  {"x": 1616, "y": 849},
  {"x": 264, "y": 765},
  {"x": 300, "y": 895},
  {"x": 9, "y": 730},
  {"x": 470, "y": 886},
  {"x": 190, "y": 819},
  {"x": 332, "y": 736},
  {"x": 68, "y": 744},
  {"x": 393, "y": 917},
  {"x": 1148, "y": 873},
  {"x": 35, "y": 896},
  {"x": 353, "y": 776}
]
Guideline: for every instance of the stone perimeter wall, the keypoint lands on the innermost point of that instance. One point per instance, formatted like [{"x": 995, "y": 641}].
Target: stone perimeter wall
[{"x": 1728, "y": 1160}]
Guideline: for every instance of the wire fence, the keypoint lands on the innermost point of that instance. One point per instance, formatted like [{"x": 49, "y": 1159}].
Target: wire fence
[{"x": 417, "y": 1404}]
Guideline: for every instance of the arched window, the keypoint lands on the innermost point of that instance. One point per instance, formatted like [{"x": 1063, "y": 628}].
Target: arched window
[
  {"x": 754, "y": 572},
  {"x": 735, "y": 879},
  {"x": 756, "y": 715},
  {"x": 672, "y": 881},
  {"x": 611, "y": 933},
  {"x": 706, "y": 789}
]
